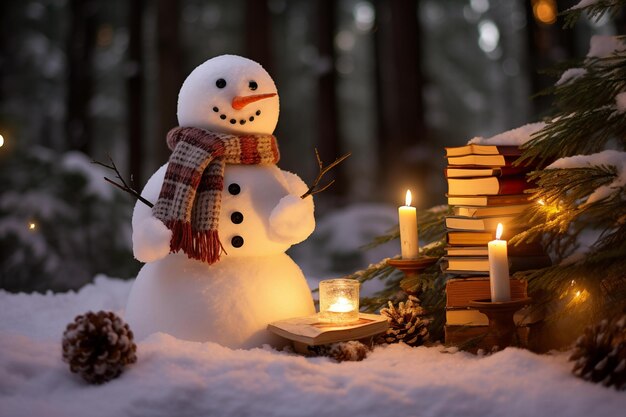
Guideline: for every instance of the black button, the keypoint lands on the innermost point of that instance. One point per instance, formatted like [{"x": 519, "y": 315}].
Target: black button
[
  {"x": 252, "y": 118},
  {"x": 223, "y": 117},
  {"x": 234, "y": 189},
  {"x": 215, "y": 109},
  {"x": 258, "y": 112},
  {"x": 236, "y": 217},
  {"x": 237, "y": 241},
  {"x": 233, "y": 121},
  {"x": 242, "y": 122}
]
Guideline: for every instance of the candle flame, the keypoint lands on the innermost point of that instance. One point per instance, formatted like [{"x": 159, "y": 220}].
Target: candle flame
[
  {"x": 1, "y": 141},
  {"x": 499, "y": 231},
  {"x": 342, "y": 305},
  {"x": 408, "y": 198}
]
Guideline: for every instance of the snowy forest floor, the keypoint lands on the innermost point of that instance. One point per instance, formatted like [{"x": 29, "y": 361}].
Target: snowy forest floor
[{"x": 178, "y": 378}]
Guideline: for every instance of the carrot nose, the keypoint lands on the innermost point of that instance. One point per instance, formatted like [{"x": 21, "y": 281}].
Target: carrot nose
[{"x": 239, "y": 102}]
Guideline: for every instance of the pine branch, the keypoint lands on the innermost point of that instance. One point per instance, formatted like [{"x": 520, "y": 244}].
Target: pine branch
[
  {"x": 586, "y": 120},
  {"x": 595, "y": 11},
  {"x": 315, "y": 188},
  {"x": 562, "y": 215},
  {"x": 123, "y": 186}
]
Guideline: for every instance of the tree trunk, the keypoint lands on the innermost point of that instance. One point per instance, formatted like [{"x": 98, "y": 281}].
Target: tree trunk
[
  {"x": 327, "y": 121},
  {"x": 170, "y": 76},
  {"x": 547, "y": 45},
  {"x": 258, "y": 33},
  {"x": 135, "y": 91},
  {"x": 80, "y": 74},
  {"x": 400, "y": 83}
]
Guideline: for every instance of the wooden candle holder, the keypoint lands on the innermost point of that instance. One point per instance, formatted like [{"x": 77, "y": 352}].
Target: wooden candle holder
[
  {"x": 500, "y": 315},
  {"x": 412, "y": 267}
]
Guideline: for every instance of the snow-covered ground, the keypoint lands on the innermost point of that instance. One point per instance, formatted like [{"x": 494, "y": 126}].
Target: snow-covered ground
[{"x": 178, "y": 378}]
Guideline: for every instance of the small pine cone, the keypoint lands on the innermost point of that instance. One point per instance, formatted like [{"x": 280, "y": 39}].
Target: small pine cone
[
  {"x": 406, "y": 323},
  {"x": 342, "y": 351},
  {"x": 600, "y": 353},
  {"x": 98, "y": 346}
]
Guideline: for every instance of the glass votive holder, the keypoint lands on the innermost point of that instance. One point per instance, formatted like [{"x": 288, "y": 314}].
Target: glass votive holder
[{"x": 339, "y": 301}]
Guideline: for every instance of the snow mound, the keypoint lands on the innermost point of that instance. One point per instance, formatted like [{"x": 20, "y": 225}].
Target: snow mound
[{"x": 179, "y": 378}]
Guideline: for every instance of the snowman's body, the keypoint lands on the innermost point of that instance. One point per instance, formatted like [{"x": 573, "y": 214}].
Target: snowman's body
[{"x": 254, "y": 283}]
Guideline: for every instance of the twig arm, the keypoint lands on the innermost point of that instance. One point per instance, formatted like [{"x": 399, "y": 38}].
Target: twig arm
[
  {"x": 123, "y": 186},
  {"x": 315, "y": 188}
]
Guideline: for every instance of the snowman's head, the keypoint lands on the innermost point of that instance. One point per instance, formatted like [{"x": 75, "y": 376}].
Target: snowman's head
[{"x": 229, "y": 94}]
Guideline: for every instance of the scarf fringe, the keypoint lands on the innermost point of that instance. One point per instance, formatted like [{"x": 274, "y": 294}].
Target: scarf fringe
[{"x": 202, "y": 245}]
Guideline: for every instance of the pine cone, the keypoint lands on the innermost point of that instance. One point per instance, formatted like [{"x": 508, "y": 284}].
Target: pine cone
[
  {"x": 406, "y": 323},
  {"x": 98, "y": 346},
  {"x": 600, "y": 353},
  {"x": 341, "y": 351}
]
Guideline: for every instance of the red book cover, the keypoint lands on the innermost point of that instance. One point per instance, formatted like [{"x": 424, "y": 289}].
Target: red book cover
[{"x": 487, "y": 186}]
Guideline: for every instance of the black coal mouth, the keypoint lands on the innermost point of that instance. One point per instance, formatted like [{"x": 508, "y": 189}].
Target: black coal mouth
[{"x": 233, "y": 121}]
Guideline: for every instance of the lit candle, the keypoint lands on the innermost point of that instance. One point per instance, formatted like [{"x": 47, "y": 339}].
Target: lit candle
[
  {"x": 499, "y": 280},
  {"x": 339, "y": 301},
  {"x": 342, "y": 305},
  {"x": 408, "y": 229}
]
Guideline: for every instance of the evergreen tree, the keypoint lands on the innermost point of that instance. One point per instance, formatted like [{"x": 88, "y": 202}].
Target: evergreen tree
[{"x": 580, "y": 210}]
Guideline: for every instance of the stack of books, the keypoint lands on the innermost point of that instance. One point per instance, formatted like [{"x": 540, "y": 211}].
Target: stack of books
[{"x": 484, "y": 189}]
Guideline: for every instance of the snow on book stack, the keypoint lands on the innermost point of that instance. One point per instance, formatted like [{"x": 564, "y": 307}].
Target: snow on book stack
[{"x": 484, "y": 189}]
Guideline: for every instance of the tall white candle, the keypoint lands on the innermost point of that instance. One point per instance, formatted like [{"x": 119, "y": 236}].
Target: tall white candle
[
  {"x": 408, "y": 229},
  {"x": 499, "y": 280}
]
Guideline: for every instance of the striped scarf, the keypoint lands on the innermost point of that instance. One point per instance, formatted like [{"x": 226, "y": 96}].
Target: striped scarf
[{"x": 191, "y": 196}]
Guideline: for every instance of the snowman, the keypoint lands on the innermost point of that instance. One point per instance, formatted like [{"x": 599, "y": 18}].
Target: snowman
[{"x": 214, "y": 243}]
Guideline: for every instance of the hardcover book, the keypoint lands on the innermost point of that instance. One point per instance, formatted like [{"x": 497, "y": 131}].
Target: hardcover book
[
  {"x": 487, "y": 186},
  {"x": 471, "y": 211},
  {"x": 487, "y": 200},
  {"x": 461, "y": 265},
  {"x": 310, "y": 331},
  {"x": 460, "y": 291},
  {"x": 479, "y": 223},
  {"x": 478, "y": 149},
  {"x": 473, "y": 172},
  {"x": 466, "y": 250},
  {"x": 483, "y": 160}
]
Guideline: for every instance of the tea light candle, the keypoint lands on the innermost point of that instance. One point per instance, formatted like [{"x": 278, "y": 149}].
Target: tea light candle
[
  {"x": 339, "y": 301},
  {"x": 499, "y": 280},
  {"x": 408, "y": 229}
]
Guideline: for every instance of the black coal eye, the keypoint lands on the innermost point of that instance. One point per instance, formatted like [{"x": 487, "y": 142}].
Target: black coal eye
[
  {"x": 221, "y": 83},
  {"x": 253, "y": 85}
]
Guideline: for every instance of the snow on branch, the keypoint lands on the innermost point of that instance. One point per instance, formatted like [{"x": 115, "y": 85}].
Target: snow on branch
[
  {"x": 605, "y": 158},
  {"x": 595, "y": 9}
]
